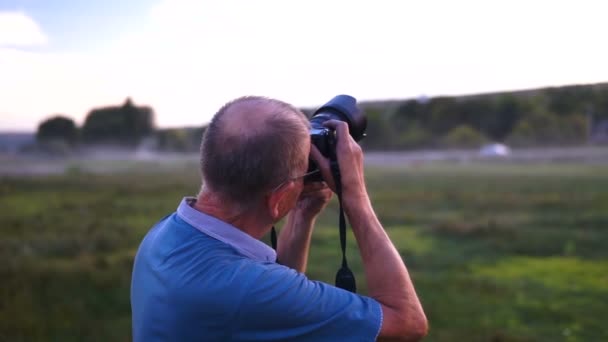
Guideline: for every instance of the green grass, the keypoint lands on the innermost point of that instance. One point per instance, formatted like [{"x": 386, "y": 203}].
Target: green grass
[{"x": 498, "y": 252}]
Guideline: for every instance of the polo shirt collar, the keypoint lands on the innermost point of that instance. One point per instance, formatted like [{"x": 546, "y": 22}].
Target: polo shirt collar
[{"x": 227, "y": 233}]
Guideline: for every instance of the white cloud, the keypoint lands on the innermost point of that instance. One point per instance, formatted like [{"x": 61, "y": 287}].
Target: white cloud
[
  {"x": 19, "y": 30},
  {"x": 192, "y": 56},
  {"x": 204, "y": 52},
  {"x": 34, "y": 85}
]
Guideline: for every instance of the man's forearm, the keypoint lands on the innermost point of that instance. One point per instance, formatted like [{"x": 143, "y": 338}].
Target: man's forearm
[
  {"x": 294, "y": 241},
  {"x": 388, "y": 280}
]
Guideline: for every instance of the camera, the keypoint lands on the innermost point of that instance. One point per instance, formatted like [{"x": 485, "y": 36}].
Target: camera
[{"x": 342, "y": 108}]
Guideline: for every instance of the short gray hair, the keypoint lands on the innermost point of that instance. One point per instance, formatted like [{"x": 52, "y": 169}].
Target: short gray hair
[{"x": 264, "y": 150}]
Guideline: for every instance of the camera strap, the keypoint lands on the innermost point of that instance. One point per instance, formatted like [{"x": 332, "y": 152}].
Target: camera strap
[
  {"x": 345, "y": 279},
  {"x": 273, "y": 241}
]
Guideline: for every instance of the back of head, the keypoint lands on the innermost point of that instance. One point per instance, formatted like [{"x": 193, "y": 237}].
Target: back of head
[{"x": 251, "y": 145}]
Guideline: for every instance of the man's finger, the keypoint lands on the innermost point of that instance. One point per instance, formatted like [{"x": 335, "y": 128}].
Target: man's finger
[
  {"x": 341, "y": 128},
  {"x": 323, "y": 165}
]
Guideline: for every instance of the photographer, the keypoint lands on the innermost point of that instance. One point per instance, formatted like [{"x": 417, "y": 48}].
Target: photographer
[{"x": 201, "y": 273}]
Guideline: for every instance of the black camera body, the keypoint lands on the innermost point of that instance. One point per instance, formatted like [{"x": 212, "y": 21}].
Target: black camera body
[{"x": 342, "y": 108}]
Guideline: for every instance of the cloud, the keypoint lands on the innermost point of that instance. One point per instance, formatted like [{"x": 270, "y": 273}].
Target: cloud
[
  {"x": 307, "y": 51},
  {"x": 34, "y": 85},
  {"x": 19, "y": 30},
  {"x": 189, "y": 57}
]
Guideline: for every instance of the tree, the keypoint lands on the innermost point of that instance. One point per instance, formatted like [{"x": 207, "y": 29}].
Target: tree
[
  {"x": 124, "y": 125},
  {"x": 568, "y": 100},
  {"x": 57, "y": 128},
  {"x": 180, "y": 139},
  {"x": 507, "y": 112},
  {"x": 544, "y": 128},
  {"x": 463, "y": 136},
  {"x": 380, "y": 132},
  {"x": 441, "y": 115}
]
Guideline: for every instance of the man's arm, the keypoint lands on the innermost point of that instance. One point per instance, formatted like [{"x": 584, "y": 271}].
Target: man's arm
[
  {"x": 294, "y": 240},
  {"x": 388, "y": 280}
]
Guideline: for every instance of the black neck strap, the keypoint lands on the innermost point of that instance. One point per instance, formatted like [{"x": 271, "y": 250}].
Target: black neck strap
[
  {"x": 345, "y": 279},
  {"x": 273, "y": 239}
]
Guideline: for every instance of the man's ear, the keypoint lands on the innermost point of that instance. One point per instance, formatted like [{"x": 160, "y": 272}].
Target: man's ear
[{"x": 278, "y": 201}]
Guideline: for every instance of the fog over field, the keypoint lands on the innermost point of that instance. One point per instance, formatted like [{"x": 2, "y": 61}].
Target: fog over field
[{"x": 116, "y": 160}]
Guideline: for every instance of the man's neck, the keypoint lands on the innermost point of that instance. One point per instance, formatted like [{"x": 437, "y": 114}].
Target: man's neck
[{"x": 245, "y": 220}]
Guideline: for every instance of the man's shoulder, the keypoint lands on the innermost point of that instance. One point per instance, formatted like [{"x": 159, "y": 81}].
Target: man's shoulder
[
  {"x": 190, "y": 267},
  {"x": 174, "y": 246},
  {"x": 286, "y": 305},
  {"x": 173, "y": 235}
]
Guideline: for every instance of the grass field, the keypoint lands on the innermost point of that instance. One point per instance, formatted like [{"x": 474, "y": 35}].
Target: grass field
[{"x": 498, "y": 252}]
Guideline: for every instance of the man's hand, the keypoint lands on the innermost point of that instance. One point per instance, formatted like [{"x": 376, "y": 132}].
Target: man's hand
[
  {"x": 294, "y": 239},
  {"x": 350, "y": 160},
  {"x": 388, "y": 280},
  {"x": 313, "y": 200}
]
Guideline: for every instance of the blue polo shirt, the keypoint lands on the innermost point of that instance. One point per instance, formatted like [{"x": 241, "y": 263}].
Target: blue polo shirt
[{"x": 196, "y": 278}]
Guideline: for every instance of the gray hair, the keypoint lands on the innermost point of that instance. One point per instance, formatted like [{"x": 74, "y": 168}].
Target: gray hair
[{"x": 252, "y": 145}]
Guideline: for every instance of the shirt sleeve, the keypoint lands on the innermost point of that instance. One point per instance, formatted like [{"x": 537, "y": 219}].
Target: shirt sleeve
[{"x": 284, "y": 305}]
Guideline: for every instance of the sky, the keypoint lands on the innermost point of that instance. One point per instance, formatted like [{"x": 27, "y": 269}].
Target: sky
[{"x": 186, "y": 58}]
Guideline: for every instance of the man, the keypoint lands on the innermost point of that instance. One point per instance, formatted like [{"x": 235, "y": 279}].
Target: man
[{"x": 201, "y": 274}]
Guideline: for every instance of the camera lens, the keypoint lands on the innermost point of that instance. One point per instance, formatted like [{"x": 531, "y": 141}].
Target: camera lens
[{"x": 343, "y": 108}]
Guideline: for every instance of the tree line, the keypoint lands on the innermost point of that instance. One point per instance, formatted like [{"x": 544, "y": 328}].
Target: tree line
[
  {"x": 556, "y": 116},
  {"x": 124, "y": 125}
]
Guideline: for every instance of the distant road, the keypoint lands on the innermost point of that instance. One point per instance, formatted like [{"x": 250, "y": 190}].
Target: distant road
[
  {"x": 103, "y": 162},
  {"x": 591, "y": 154}
]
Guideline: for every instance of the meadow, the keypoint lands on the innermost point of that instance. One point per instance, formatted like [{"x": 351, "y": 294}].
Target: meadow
[{"x": 497, "y": 251}]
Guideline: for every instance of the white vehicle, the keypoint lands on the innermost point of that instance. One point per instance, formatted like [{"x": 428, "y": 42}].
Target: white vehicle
[{"x": 495, "y": 150}]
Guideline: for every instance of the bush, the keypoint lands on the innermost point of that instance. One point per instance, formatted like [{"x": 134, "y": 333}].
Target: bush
[
  {"x": 57, "y": 128},
  {"x": 126, "y": 125},
  {"x": 546, "y": 129},
  {"x": 463, "y": 136}
]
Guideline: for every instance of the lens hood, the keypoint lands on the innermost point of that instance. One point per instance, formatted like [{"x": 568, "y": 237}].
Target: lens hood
[{"x": 345, "y": 107}]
